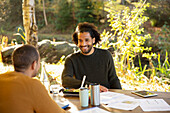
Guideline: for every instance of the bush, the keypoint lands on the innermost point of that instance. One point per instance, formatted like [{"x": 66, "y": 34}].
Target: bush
[{"x": 128, "y": 38}]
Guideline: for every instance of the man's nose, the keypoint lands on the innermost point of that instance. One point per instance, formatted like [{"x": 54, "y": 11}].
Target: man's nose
[{"x": 83, "y": 43}]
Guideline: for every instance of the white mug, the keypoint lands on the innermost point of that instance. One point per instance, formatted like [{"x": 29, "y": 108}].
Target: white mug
[{"x": 84, "y": 97}]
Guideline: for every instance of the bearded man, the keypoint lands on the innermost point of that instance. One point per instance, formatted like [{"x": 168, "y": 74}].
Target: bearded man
[{"x": 97, "y": 64}]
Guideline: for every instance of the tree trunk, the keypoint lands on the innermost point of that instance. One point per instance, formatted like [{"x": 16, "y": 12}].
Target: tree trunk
[
  {"x": 29, "y": 22},
  {"x": 45, "y": 17}
]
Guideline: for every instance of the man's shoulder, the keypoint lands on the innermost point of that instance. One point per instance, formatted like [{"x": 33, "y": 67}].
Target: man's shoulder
[
  {"x": 103, "y": 51},
  {"x": 36, "y": 82},
  {"x": 20, "y": 78},
  {"x": 17, "y": 76},
  {"x": 7, "y": 73},
  {"x": 13, "y": 74},
  {"x": 74, "y": 55}
]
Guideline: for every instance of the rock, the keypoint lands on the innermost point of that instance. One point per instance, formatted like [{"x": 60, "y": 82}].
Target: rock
[
  {"x": 50, "y": 52},
  {"x": 7, "y": 53}
]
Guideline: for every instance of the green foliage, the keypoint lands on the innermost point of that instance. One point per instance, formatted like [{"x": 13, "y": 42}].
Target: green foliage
[
  {"x": 127, "y": 34},
  {"x": 163, "y": 68},
  {"x": 15, "y": 11},
  {"x": 10, "y": 13},
  {"x": 164, "y": 39},
  {"x": 4, "y": 10},
  {"x": 64, "y": 16},
  {"x": 161, "y": 42},
  {"x": 85, "y": 11},
  {"x": 153, "y": 22},
  {"x": 20, "y": 35}
]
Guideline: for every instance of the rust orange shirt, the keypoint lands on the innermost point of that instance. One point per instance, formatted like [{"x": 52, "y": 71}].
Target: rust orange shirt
[{"x": 22, "y": 94}]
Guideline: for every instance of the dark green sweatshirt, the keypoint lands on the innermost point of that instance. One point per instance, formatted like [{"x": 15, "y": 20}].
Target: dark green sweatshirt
[{"x": 98, "y": 68}]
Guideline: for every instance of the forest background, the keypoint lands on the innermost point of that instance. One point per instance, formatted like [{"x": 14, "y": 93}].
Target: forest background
[{"x": 138, "y": 34}]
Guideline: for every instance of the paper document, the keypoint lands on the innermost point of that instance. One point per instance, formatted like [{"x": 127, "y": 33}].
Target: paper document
[
  {"x": 118, "y": 101},
  {"x": 111, "y": 97},
  {"x": 154, "y": 105},
  {"x": 93, "y": 110},
  {"x": 110, "y": 94},
  {"x": 124, "y": 105}
]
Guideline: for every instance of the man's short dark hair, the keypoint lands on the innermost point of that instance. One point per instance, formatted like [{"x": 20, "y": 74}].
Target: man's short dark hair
[
  {"x": 86, "y": 27},
  {"x": 24, "y": 56}
]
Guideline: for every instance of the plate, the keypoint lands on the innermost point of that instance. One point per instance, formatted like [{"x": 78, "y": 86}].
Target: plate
[{"x": 70, "y": 92}]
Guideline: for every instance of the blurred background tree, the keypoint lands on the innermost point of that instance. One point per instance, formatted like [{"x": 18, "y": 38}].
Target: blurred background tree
[
  {"x": 159, "y": 12},
  {"x": 64, "y": 16},
  {"x": 10, "y": 13},
  {"x": 85, "y": 11},
  {"x": 29, "y": 22}
]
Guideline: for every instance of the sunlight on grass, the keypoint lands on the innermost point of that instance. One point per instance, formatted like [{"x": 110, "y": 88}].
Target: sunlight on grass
[{"x": 6, "y": 68}]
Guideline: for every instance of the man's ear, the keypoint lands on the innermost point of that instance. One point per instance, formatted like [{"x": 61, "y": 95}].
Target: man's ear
[
  {"x": 93, "y": 40},
  {"x": 33, "y": 65}
]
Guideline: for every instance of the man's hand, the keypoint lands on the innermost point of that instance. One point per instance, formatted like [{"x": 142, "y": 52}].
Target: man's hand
[{"x": 103, "y": 89}]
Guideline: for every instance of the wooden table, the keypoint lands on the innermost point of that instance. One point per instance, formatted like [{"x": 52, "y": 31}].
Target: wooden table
[{"x": 75, "y": 103}]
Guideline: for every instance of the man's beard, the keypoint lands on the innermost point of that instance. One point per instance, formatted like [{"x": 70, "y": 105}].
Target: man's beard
[{"x": 88, "y": 51}]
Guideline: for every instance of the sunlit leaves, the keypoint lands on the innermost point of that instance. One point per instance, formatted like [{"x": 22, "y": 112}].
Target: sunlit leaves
[
  {"x": 128, "y": 39},
  {"x": 128, "y": 32}
]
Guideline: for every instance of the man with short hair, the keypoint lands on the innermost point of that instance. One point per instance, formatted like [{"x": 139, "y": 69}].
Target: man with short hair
[
  {"x": 19, "y": 93},
  {"x": 97, "y": 64}
]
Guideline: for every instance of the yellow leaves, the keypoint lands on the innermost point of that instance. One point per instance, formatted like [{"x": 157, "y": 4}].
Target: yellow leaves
[
  {"x": 147, "y": 5},
  {"x": 149, "y": 56},
  {"x": 137, "y": 49},
  {"x": 127, "y": 30},
  {"x": 105, "y": 39},
  {"x": 4, "y": 42},
  {"x": 119, "y": 33},
  {"x": 55, "y": 70},
  {"x": 0, "y": 54},
  {"x": 19, "y": 34},
  {"x": 61, "y": 61},
  {"x": 6, "y": 68}
]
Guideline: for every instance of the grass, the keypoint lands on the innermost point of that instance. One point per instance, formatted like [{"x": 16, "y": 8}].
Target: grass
[
  {"x": 57, "y": 37},
  {"x": 41, "y": 36}
]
